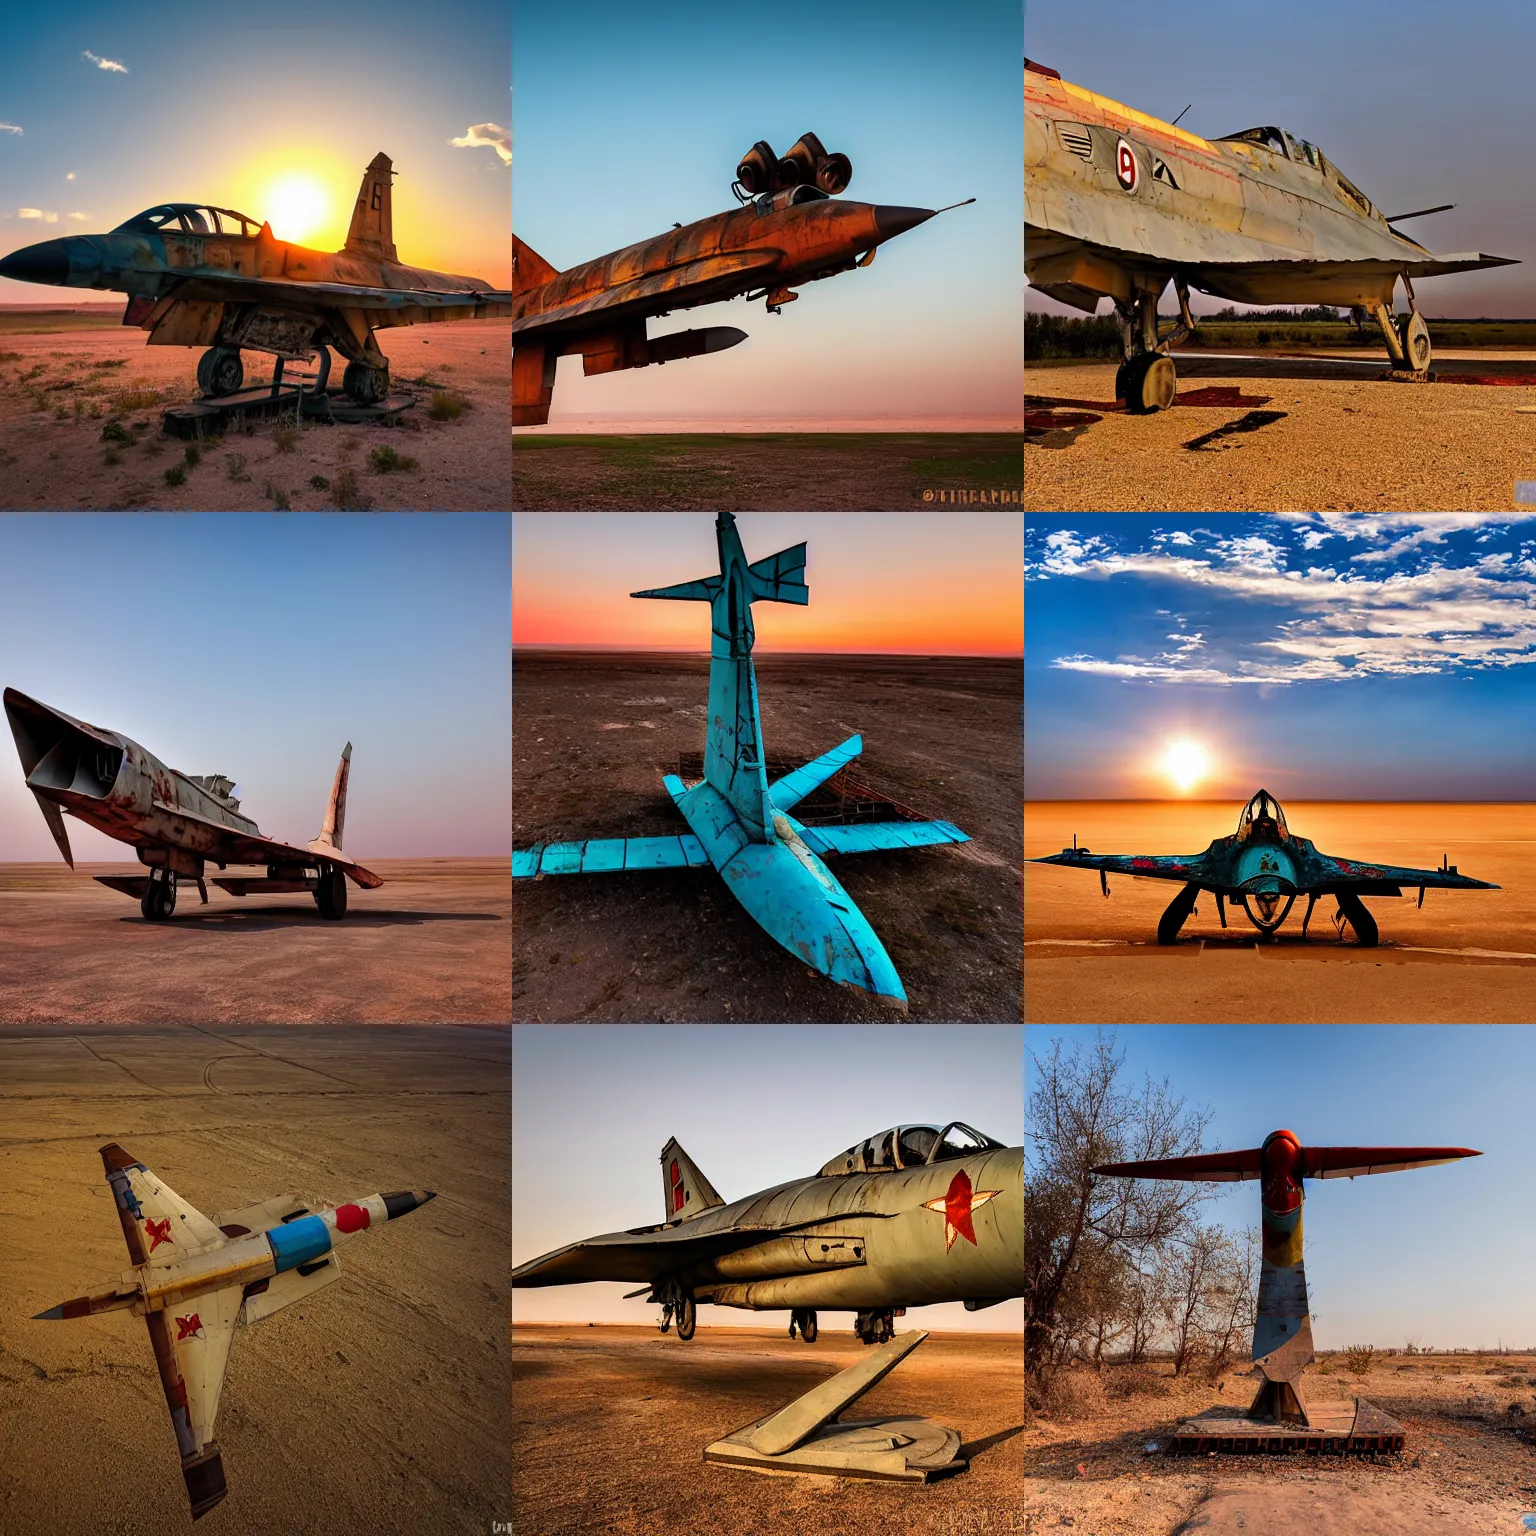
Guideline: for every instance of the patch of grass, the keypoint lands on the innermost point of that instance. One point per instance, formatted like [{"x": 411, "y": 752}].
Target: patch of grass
[
  {"x": 285, "y": 437},
  {"x": 447, "y": 405},
  {"x": 135, "y": 400},
  {"x": 193, "y": 453},
  {"x": 348, "y": 497},
  {"x": 95, "y": 411},
  {"x": 176, "y": 475},
  {"x": 113, "y": 457},
  {"x": 116, "y": 432},
  {"x": 109, "y": 362},
  {"x": 278, "y": 498},
  {"x": 61, "y": 412},
  {"x": 10, "y": 357},
  {"x": 319, "y": 482},
  {"x": 385, "y": 459},
  {"x": 33, "y": 372},
  {"x": 234, "y": 467}
]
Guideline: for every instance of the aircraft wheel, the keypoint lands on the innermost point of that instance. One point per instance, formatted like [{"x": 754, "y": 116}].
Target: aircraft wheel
[
  {"x": 1359, "y": 918},
  {"x": 220, "y": 371},
  {"x": 808, "y": 1327},
  {"x": 1147, "y": 383},
  {"x": 1416, "y": 343},
  {"x": 364, "y": 384},
  {"x": 331, "y": 893},
  {"x": 687, "y": 1316},
  {"x": 159, "y": 898}
]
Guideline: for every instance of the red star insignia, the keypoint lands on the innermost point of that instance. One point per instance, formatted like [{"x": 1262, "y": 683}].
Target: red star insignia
[
  {"x": 188, "y": 1327},
  {"x": 158, "y": 1232},
  {"x": 957, "y": 1204}
]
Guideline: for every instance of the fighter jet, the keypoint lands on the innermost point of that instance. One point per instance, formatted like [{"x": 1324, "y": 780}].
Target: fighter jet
[
  {"x": 177, "y": 821},
  {"x": 1117, "y": 204},
  {"x": 1282, "y": 1333},
  {"x": 771, "y": 863},
  {"x": 913, "y": 1216},
  {"x": 789, "y": 230},
  {"x": 1266, "y": 867},
  {"x": 204, "y": 1276},
  {"x": 198, "y": 276}
]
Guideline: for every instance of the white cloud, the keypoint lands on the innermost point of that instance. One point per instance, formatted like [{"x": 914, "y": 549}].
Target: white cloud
[
  {"x": 111, "y": 65},
  {"x": 81, "y": 217},
  {"x": 487, "y": 136},
  {"x": 9, "y": 128},
  {"x": 29, "y": 213},
  {"x": 70, "y": 176}
]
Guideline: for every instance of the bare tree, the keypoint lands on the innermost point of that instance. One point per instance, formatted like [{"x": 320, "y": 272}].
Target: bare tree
[
  {"x": 1234, "y": 1299},
  {"x": 1081, "y": 1114},
  {"x": 1196, "y": 1274}
]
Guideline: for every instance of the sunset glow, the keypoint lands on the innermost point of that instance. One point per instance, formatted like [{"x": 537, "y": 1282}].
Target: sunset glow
[
  {"x": 297, "y": 206},
  {"x": 1186, "y": 765}
]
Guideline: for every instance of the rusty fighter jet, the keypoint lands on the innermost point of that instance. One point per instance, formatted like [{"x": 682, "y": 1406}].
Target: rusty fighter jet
[
  {"x": 177, "y": 822},
  {"x": 790, "y": 229},
  {"x": 198, "y": 276},
  {"x": 1117, "y": 204},
  {"x": 1265, "y": 866}
]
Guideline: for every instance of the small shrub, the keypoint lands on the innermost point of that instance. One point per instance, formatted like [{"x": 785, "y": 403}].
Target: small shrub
[
  {"x": 61, "y": 412},
  {"x": 348, "y": 497},
  {"x": 10, "y": 357},
  {"x": 95, "y": 411},
  {"x": 279, "y": 499},
  {"x": 285, "y": 437},
  {"x": 447, "y": 405},
  {"x": 194, "y": 453},
  {"x": 385, "y": 459},
  {"x": 1135, "y": 1381},
  {"x": 234, "y": 467},
  {"x": 135, "y": 400},
  {"x": 1358, "y": 1357},
  {"x": 79, "y": 409},
  {"x": 1073, "y": 1394},
  {"x": 116, "y": 432},
  {"x": 113, "y": 457},
  {"x": 176, "y": 475},
  {"x": 319, "y": 482}
]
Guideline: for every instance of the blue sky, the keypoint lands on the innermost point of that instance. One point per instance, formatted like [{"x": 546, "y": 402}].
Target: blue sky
[
  {"x": 256, "y": 646},
  {"x": 213, "y": 102},
  {"x": 1438, "y": 114},
  {"x": 1445, "y": 1254},
  {"x": 1346, "y": 655},
  {"x": 629, "y": 118},
  {"x": 592, "y": 1107}
]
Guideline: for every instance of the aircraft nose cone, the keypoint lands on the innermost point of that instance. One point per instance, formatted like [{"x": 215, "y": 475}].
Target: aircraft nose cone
[
  {"x": 891, "y": 221},
  {"x": 46, "y": 262}
]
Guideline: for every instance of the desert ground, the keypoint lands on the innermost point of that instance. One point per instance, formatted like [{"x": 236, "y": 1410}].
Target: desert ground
[
  {"x": 379, "y": 1405},
  {"x": 1464, "y": 957},
  {"x": 609, "y": 1426},
  {"x": 765, "y": 471},
  {"x": 60, "y": 390},
  {"x": 592, "y": 735},
  {"x": 431, "y": 945},
  {"x": 1309, "y": 436},
  {"x": 1094, "y": 1460}
]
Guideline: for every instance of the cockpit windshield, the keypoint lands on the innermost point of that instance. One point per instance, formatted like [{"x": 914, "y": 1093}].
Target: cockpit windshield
[
  {"x": 1263, "y": 820},
  {"x": 910, "y": 1146},
  {"x": 1266, "y": 138},
  {"x": 191, "y": 219}
]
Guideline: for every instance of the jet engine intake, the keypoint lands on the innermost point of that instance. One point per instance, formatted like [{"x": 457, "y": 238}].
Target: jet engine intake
[
  {"x": 758, "y": 169},
  {"x": 68, "y": 759},
  {"x": 807, "y": 164}
]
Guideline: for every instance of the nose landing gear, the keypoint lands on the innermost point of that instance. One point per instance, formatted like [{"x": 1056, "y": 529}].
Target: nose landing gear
[
  {"x": 677, "y": 1305},
  {"x": 804, "y": 1321},
  {"x": 159, "y": 898},
  {"x": 875, "y": 1327}
]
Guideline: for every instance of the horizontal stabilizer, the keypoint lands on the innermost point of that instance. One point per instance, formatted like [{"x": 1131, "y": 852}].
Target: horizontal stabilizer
[
  {"x": 702, "y": 591},
  {"x": 788, "y": 792},
  {"x": 1351, "y": 1162},
  {"x": 279, "y": 1291},
  {"x": 1207, "y": 1168},
  {"x": 780, "y": 578},
  {"x": 608, "y": 856},
  {"x": 877, "y": 836}
]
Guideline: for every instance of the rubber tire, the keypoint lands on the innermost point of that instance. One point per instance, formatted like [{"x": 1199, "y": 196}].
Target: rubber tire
[
  {"x": 158, "y": 901},
  {"x": 220, "y": 371},
  {"x": 687, "y": 1317},
  {"x": 365, "y": 385},
  {"x": 1147, "y": 384},
  {"x": 1358, "y": 916},
  {"x": 808, "y": 1327},
  {"x": 331, "y": 893},
  {"x": 1416, "y": 343}
]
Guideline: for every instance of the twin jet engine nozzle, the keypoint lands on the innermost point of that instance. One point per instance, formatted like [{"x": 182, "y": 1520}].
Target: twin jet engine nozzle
[{"x": 806, "y": 165}]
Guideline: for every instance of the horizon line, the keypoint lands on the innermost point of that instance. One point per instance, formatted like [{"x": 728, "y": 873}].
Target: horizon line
[{"x": 678, "y": 650}]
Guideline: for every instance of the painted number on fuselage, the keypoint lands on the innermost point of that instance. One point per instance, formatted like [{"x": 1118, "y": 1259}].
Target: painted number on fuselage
[{"x": 1126, "y": 169}]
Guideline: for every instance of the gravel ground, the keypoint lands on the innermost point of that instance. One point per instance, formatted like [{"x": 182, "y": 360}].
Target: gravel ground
[{"x": 1344, "y": 444}]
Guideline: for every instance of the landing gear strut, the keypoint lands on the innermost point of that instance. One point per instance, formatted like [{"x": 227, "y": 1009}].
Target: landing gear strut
[
  {"x": 1353, "y": 911},
  {"x": 804, "y": 1321},
  {"x": 875, "y": 1327},
  {"x": 1174, "y": 918},
  {"x": 677, "y": 1304},
  {"x": 1147, "y": 380},
  {"x": 159, "y": 898},
  {"x": 1407, "y": 337}
]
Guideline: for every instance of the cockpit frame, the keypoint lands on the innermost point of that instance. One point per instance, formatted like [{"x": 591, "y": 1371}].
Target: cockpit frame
[
  {"x": 191, "y": 219},
  {"x": 1263, "y": 820},
  {"x": 910, "y": 1146}
]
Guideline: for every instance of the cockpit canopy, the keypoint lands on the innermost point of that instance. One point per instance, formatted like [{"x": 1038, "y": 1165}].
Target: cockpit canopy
[
  {"x": 791, "y": 197},
  {"x": 191, "y": 219},
  {"x": 1263, "y": 820},
  {"x": 910, "y": 1146},
  {"x": 1300, "y": 152}
]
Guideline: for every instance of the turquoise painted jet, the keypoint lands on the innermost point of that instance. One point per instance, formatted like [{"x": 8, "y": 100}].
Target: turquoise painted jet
[{"x": 740, "y": 824}]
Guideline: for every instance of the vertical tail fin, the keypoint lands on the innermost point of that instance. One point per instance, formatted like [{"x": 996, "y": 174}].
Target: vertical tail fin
[
  {"x": 686, "y": 1191},
  {"x": 373, "y": 225},
  {"x": 336, "y": 809},
  {"x": 529, "y": 269}
]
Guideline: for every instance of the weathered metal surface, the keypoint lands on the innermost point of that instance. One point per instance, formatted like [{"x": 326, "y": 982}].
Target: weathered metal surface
[
  {"x": 1265, "y": 863},
  {"x": 204, "y": 1277},
  {"x": 202, "y": 276},
  {"x": 793, "y": 233},
  {"x": 1341, "y": 1428},
  {"x": 769, "y": 860},
  {"x": 174, "y": 820},
  {"x": 1282, "y": 1333}
]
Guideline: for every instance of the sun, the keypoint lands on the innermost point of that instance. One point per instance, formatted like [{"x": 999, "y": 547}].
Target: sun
[
  {"x": 1187, "y": 764},
  {"x": 296, "y": 205}
]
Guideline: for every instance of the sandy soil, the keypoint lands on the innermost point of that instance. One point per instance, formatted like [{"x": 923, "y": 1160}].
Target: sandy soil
[
  {"x": 609, "y": 1426},
  {"x": 1345, "y": 444},
  {"x": 50, "y": 461},
  {"x": 431, "y": 945},
  {"x": 592, "y": 734},
  {"x": 379, "y": 1406},
  {"x": 1468, "y": 1469},
  {"x": 740, "y": 472},
  {"x": 1464, "y": 957}
]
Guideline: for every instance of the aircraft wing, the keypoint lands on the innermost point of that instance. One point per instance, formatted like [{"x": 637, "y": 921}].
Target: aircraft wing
[
  {"x": 1157, "y": 866},
  {"x": 231, "y": 288},
  {"x": 1204, "y": 1167},
  {"x": 873, "y": 836},
  {"x": 201, "y": 1331},
  {"x": 1331, "y": 874},
  {"x": 788, "y": 792},
  {"x": 708, "y": 276},
  {"x": 1351, "y": 1162},
  {"x": 609, "y": 856},
  {"x": 166, "y": 1227},
  {"x": 232, "y": 847}
]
